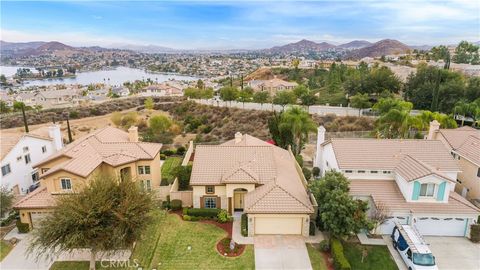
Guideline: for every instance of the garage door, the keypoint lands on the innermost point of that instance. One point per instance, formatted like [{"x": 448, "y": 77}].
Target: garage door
[
  {"x": 441, "y": 226},
  {"x": 278, "y": 225},
  {"x": 36, "y": 218},
  {"x": 387, "y": 226}
]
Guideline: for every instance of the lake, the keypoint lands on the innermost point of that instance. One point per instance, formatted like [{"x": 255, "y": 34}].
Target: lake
[{"x": 112, "y": 77}]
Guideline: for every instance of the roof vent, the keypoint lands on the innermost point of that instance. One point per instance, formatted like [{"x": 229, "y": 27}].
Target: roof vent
[{"x": 238, "y": 137}]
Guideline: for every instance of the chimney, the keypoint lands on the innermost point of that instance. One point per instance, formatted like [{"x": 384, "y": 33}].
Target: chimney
[
  {"x": 238, "y": 137},
  {"x": 133, "y": 134},
  {"x": 434, "y": 127},
  {"x": 320, "y": 139},
  {"x": 56, "y": 135}
]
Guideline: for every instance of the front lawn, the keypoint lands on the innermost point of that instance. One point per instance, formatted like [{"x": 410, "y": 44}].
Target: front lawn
[
  {"x": 4, "y": 249},
  {"x": 167, "y": 168},
  {"x": 316, "y": 258},
  {"x": 377, "y": 257},
  {"x": 165, "y": 246}
]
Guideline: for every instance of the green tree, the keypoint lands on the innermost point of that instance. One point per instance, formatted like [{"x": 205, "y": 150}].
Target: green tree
[
  {"x": 3, "y": 107},
  {"x": 106, "y": 215},
  {"x": 360, "y": 101},
  {"x": 466, "y": 53},
  {"x": 6, "y": 200},
  {"x": 340, "y": 214},
  {"x": 3, "y": 79},
  {"x": 148, "y": 103},
  {"x": 245, "y": 95},
  {"x": 59, "y": 72},
  {"x": 192, "y": 93},
  {"x": 229, "y": 93},
  {"x": 159, "y": 123},
  {"x": 207, "y": 93},
  {"x": 292, "y": 128},
  {"x": 284, "y": 97},
  {"x": 200, "y": 84},
  {"x": 261, "y": 97}
]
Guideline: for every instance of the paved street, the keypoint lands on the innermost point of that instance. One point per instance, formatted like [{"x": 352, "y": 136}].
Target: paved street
[{"x": 281, "y": 252}]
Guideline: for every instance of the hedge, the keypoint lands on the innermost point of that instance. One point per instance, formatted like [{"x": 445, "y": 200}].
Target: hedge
[
  {"x": 311, "y": 229},
  {"x": 475, "y": 233},
  {"x": 22, "y": 227},
  {"x": 339, "y": 260},
  {"x": 176, "y": 205},
  {"x": 244, "y": 225},
  {"x": 203, "y": 212}
]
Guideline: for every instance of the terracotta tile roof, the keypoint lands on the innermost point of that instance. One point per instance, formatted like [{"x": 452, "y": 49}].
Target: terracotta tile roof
[
  {"x": 388, "y": 193},
  {"x": 387, "y": 154},
  {"x": 8, "y": 139},
  {"x": 456, "y": 137},
  {"x": 411, "y": 169},
  {"x": 470, "y": 149},
  {"x": 107, "y": 145},
  {"x": 40, "y": 198},
  {"x": 251, "y": 160}
]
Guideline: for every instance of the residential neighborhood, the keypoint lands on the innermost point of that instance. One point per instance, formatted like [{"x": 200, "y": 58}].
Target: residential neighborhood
[{"x": 268, "y": 135}]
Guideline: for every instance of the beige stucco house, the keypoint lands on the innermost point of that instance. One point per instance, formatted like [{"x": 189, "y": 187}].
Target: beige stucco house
[
  {"x": 250, "y": 175},
  {"x": 464, "y": 145},
  {"x": 105, "y": 151},
  {"x": 272, "y": 86}
]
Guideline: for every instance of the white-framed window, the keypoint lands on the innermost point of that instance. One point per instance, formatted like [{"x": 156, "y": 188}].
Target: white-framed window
[
  {"x": 148, "y": 185},
  {"x": 147, "y": 169},
  {"x": 6, "y": 169},
  {"x": 141, "y": 170},
  {"x": 35, "y": 177},
  {"x": 210, "y": 202},
  {"x": 27, "y": 158},
  {"x": 66, "y": 183},
  {"x": 19, "y": 158},
  {"x": 25, "y": 148},
  {"x": 361, "y": 171},
  {"x": 210, "y": 189},
  {"x": 387, "y": 172},
  {"x": 44, "y": 149},
  {"x": 373, "y": 171},
  {"x": 348, "y": 171},
  {"x": 427, "y": 190}
]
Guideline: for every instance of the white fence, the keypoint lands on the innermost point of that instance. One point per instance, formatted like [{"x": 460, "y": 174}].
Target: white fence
[{"x": 315, "y": 109}]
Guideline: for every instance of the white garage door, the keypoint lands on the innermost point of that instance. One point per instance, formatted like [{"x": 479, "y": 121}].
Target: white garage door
[
  {"x": 36, "y": 218},
  {"x": 278, "y": 225},
  {"x": 441, "y": 226},
  {"x": 387, "y": 226}
]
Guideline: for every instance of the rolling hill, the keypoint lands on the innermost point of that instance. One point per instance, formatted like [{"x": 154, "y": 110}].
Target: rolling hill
[{"x": 377, "y": 49}]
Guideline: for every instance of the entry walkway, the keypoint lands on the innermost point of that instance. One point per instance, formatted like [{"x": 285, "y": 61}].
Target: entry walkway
[{"x": 281, "y": 252}]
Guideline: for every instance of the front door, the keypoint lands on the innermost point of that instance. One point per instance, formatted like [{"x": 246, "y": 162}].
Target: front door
[{"x": 238, "y": 200}]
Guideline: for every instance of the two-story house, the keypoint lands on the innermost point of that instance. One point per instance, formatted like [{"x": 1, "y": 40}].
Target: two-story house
[
  {"x": 108, "y": 151},
  {"x": 249, "y": 175},
  {"x": 410, "y": 181},
  {"x": 19, "y": 150},
  {"x": 272, "y": 86},
  {"x": 464, "y": 145}
]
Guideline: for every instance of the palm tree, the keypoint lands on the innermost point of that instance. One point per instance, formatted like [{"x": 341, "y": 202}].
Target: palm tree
[
  {"x": 462, "y": 108},
  {"x": 299, "y": 122}
]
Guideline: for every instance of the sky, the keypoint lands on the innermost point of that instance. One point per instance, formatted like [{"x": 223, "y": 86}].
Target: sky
[{"x": 238, "y": 24}]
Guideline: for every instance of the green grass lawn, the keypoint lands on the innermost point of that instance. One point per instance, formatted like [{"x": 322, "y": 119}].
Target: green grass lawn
[
  {"x": 167, "y": 167},
  {"x": 316, "y": 258},
  {"x": 378, "y": 257},
  {"x": 165, "y": 246},
  {"x": 4, "y": 249}
]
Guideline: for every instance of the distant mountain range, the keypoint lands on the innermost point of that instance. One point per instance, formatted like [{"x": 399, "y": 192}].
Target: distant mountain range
[{"x": 356, "y": 49}]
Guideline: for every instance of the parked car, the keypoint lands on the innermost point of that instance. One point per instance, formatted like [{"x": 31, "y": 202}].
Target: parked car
[
  {"x": 33, "y": 187},
  {"x": 412, "y": 248}
]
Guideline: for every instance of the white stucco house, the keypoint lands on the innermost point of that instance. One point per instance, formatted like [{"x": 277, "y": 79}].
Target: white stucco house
[
  {"x": 20, "y": 150},
  {"x": 413, "y": 181}
]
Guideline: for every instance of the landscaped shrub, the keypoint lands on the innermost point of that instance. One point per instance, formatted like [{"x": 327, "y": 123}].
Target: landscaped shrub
[
  {"x": 165, "y": 205},
  {"x": 163, "y": 157},
  {"x": 181, "y": 150},
  {"x": 324, "y": 246},
  {"x": 316, "y": 172},
  {"x": 185, "y": 211},
  {"x": 223, "y": 216},
  {"x": 7, "y": 221},
  {"x": 339, "y": 260},
  {"x": 244, "y": 225},
  {"x": 299, "y": 159},
  {"x": 183, "y": 174},
  {"x": 22, "y": 227},
  {"x": 168, "y": 152},
  {"x": 475, "y": 233},
  {"x": 311, "y": 229},
  {"x": 307, "y": 173},
  {"x": 203, "y": 212},
  {"x": 187, "y": 218},
  {"x": 176, "y": 205}
]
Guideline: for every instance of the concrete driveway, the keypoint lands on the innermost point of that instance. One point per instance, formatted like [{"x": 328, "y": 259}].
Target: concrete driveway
[
  {"x": 19, "y": 259},
  {"x": 454, "y": 252},
  {"x": 281, "y": 252}
]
